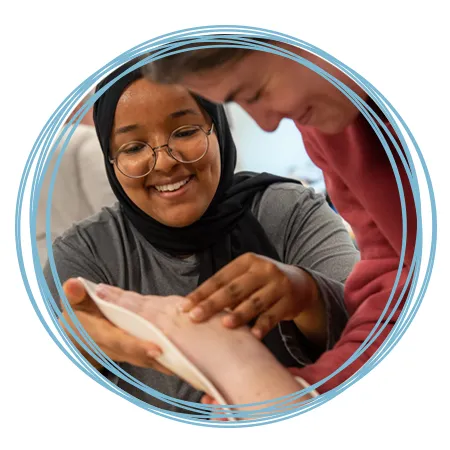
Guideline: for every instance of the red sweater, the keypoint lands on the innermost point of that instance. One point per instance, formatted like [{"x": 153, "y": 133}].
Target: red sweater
[{"x": 362, "y": 186}]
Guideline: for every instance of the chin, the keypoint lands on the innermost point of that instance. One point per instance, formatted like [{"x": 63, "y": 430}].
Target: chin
[
  {"x": 179, "y": 220},
  {"x": 175, "y": 223}
]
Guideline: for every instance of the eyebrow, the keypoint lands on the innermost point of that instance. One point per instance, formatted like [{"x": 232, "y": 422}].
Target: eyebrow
[
  {"x": 126, "y": 129},
  {"x": 232, "y": 95},
  {"x": 174, "y": 115},
  {"x": 183, "y": 112}
]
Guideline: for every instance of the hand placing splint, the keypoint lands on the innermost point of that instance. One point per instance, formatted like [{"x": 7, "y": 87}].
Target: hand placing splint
[
  {"x": 116, "y": 343},
  {"x": 257, "y": 287}
]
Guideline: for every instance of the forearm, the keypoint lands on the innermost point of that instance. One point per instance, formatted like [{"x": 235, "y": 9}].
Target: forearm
[
  {"x": 312, "y": 320},
  {"x": 258, "y": 376},
  {"x": 241, "y": 368},
  {"x": 326, "y": 317}
]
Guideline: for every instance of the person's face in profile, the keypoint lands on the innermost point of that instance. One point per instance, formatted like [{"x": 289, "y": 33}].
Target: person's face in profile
[
  {"x": 270, "y": 87},
  {"x": 174, "y": 193}
]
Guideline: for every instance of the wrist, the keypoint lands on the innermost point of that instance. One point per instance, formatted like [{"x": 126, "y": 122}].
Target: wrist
[
  {"x": 78, "y": 346},
  {"x": 312, "y": 319}
]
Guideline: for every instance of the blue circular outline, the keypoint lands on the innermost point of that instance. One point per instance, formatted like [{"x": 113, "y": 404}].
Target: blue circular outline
[{"x": 51, "y": 128}]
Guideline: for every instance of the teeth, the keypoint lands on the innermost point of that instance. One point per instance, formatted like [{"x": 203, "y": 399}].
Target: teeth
[{"x": 172, "y": 187}]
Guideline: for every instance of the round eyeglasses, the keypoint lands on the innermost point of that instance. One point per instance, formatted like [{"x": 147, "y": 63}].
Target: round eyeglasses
[{"x": 187, "y": 144}]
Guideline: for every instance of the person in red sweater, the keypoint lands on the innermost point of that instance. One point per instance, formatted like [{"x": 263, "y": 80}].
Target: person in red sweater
[{"x": 359, "y": 177}]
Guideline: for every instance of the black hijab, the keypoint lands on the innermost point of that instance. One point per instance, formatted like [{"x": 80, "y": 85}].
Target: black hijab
[{"x": 226, "y": 230}]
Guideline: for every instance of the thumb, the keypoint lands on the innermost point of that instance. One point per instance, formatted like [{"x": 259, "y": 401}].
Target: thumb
[{"x": 75, "y": 291}]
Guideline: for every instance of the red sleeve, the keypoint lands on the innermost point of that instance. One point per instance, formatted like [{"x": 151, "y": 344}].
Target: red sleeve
[
  {"x": 367, "y": 292},
  {"x": 361, "y": 184}
]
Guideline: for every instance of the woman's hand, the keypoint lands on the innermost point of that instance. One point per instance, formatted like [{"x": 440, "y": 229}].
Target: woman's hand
[
  {"x": 116, "y": 343},
  {"x": 257, "y": 287}
]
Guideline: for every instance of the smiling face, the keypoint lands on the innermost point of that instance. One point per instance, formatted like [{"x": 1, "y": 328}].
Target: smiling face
[
  {"x": 271, "y": 87},
  {"x": 173, "y": 193}
]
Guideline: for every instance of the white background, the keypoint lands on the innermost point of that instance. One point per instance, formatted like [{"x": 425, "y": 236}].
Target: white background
[
  {"x": 281, "y": 152},
  {"x": 49, "y": 48}
]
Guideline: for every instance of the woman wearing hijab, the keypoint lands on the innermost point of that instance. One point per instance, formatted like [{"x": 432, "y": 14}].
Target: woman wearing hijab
[{"x": 183, "y": 216}]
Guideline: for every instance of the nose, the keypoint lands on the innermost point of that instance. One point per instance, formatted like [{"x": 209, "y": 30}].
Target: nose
[
  {"x": 268, "y": 124},
  {"x": 164, "y": 162},
  {"x": 267, "y": 119}
]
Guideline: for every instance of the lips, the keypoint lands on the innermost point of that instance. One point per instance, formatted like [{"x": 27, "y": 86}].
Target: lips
[
  {"x": 170, "y": 187},
  {"x": 172, "y": 184}
]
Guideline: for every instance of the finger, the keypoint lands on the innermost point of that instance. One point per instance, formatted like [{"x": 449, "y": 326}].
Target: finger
[
  {"x": 150, "y": 364},
  {"x": 229, "y": 296},
  {"x": 208, "y": 400},
  {"x": 257, "y": 303},
  {"x": 271, "y": 317},
  {"x": 127, "y": 349},
  {"x": 223, "y": 277},
  {"x": 74, "y": 291},
  {"x": 112, "y": 339}
]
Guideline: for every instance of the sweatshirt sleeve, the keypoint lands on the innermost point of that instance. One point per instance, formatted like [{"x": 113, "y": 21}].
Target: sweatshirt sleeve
[
  {"x": 366, "y": 294},
  {"x": 369, "y": 286}
]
